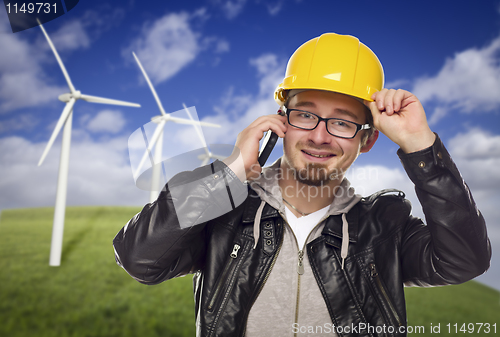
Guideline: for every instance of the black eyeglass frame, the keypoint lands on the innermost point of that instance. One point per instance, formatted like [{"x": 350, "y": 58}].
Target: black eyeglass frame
[{"x": 359, "y": 127}]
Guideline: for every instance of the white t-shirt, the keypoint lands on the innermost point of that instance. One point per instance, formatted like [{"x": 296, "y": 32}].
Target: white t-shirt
[{"x": 302, "y": 226}]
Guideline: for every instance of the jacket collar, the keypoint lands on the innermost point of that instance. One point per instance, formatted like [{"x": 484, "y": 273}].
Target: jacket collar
[
  {"x": 332, "y": 231},
  {"x": 253, "y": 202},
  {"x": 333, "y": 225}
]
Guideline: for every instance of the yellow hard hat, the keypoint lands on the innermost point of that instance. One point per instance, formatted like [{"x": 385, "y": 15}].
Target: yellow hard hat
[{"x": 333, "y": 62}]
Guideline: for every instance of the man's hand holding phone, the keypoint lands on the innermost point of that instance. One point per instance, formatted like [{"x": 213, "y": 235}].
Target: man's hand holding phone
[{"x": 245, "y": 159}]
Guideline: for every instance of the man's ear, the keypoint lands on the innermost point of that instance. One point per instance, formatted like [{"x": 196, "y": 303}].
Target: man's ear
[{"x": 370, "y": 142}]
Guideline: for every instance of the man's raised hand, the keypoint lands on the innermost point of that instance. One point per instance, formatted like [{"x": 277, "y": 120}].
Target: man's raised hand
[{"x": 400, "y": 116}]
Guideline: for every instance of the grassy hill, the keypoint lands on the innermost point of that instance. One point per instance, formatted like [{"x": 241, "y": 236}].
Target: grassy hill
[{"x": 89, "y": 295}]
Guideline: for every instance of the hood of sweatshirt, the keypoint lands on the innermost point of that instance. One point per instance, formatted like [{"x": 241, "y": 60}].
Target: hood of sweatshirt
[{"x": 268, "y": 189}]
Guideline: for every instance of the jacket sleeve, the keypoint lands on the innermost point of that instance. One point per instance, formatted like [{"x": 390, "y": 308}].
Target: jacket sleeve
[
  {"x": 168, "y": 237},
  {"x": 453, "y": 247}
]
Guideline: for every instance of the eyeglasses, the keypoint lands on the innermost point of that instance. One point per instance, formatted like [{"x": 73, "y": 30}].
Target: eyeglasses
[{"x": 335, "y": 126}]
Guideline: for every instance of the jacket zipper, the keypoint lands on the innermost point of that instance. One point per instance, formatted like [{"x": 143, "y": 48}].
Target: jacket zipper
[
  {"x": 300, "y": 264},
  {"x": 300, "y": 270},
  {"x": 222, "y": 280},
  {"x": 374, "y": 274}
]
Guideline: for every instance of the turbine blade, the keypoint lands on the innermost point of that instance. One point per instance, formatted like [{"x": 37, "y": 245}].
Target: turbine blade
[
  {"x": 65, "y": 73},
  {"x": 153, "y": 140},
  {"x": 187, "y": 121},
  {"x": 160, "y": 106},
  {"x": 59, "y": 125},
  {"x": 216, "y": 156},
  {"x": 95, "y": 99},
  {"x": 198, "y": 131},
  {"x": 205, "y": 161}
]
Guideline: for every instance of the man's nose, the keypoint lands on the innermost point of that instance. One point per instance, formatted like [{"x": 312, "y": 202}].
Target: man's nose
[{"x": 320, "y": 135}]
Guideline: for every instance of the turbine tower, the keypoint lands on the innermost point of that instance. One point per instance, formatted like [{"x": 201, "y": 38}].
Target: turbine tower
[
  {"x": 62, "y": 180},
  {"x": 157, "y": 138},
  {"x": 205, "y": 158}
]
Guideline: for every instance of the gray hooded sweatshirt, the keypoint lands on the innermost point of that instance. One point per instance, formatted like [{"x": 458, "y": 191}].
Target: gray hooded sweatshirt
[{"x": 291, "y": 304}]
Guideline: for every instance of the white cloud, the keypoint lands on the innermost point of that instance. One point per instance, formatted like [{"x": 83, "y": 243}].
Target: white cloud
[
  {"x": 468, "y": 82},
  {"x": 219, "y": 45},
  {"x": 18, "y": 54},
  {"x": 98, "y": 175},
  {"x": 439, "y": 113},
  {"x": 110, "y": 121},
  {"x": 271, "y": 72},
  {"x": 166, "y": 46},
  {"x": 222, "y": 46},
  {"x": 396, "y": 84},
  {"x": 102, "y": 17},
  {"x": 231, "y": 8},
  {"x": 26, "y": 89},
  {"x": 71, "y": 36},
  {"x": 169, "y": 44},
  {"x": 24, "y": 122},
  {"x": 477, "y": 154},
  {"x": 274, "y": 8}
]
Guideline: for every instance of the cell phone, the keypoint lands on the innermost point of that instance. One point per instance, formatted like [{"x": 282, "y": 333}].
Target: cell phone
[{"x": 268, "y": 144}]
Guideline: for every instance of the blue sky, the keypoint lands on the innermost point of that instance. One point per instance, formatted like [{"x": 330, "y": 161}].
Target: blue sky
[{"x": 225, "y": 58}]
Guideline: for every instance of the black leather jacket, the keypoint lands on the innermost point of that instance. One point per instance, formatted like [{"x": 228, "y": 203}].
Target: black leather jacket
[{"x": 388, "y": 247}]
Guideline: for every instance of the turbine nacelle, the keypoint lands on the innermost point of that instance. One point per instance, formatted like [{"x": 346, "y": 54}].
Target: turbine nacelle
[
  {"x": 158, "y": 119},
  {"x": 66, "y": 97}
]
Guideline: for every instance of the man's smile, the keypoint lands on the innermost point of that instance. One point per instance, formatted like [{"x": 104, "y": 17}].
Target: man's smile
[{"x": 317, "y": 156}]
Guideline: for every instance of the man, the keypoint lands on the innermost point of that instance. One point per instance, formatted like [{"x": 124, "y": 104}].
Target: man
[{"x": 298, "y": 252}]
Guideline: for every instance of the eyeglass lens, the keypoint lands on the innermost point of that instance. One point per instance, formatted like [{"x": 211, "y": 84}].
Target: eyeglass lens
[{"x": 309, "y": 121}]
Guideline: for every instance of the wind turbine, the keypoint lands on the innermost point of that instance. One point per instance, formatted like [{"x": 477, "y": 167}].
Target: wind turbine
[
  {"x": 65, "y": 119},
  {"x": 205, "y": 158},
  {"x": 157, "y": 138}
]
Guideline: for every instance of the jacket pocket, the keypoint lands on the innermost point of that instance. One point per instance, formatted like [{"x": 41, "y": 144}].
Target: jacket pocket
[
  {"x": 226, "y": 276},
  {"x": 382, "y": 297}
]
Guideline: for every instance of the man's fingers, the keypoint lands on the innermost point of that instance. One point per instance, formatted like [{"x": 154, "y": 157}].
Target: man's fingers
[
  {"x": 374, "y": 110},
  {"x": 275, "y": 123},
  {"x": 389, "y": 101},
  {"x": 380, "y": 99},
  {"x": 398, "y": 99}
]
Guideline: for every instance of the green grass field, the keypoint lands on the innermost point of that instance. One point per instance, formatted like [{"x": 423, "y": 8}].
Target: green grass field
[{"x": 89, "y": 295}]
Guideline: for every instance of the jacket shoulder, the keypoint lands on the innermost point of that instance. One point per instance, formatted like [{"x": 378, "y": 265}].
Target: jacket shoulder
[{"x": 387, "y": 204}]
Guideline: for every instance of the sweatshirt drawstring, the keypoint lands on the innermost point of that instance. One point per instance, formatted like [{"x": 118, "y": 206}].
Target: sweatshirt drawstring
[
  {"x": 345, "y": 239},
  {"x": 256, "y": 223},
  {"x": 345, "y": 231}
]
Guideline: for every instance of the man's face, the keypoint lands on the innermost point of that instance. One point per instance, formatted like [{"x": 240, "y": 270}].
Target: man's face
[{"x": 315, "y": 156}]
